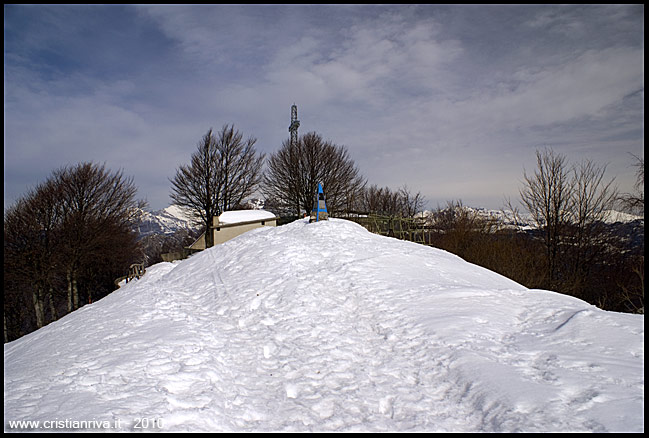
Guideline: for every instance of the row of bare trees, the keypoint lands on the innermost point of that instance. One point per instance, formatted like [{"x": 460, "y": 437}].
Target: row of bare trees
[
  {"x": 65, "y": 241},
  {"x": 384, "y": 201},
  {"x": 615, "y": 279},
  {"x": 225, "y": 169},
  {"x": 572, "y": 249},
  {"x": 570, "y": 204}
]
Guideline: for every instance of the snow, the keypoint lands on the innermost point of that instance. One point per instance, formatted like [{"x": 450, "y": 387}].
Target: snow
[
  {"x": 237, "y": 216},
  {"x": 613, "y": 216},
  {"x": 166, "y": 221},
  {"x": 327, "y": 327},
  {"x": 178, "y": 212},
  {"x": 525, "y": 221}
]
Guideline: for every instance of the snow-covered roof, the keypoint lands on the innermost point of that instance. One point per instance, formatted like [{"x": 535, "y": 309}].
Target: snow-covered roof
[{"x": 238, "y": 216}]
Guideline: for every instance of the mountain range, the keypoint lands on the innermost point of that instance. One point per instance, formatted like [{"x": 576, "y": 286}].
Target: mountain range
[{"x": 173, "y": 218}]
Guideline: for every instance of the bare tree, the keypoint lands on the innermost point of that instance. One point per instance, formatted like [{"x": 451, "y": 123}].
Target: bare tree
[
  {"x": 198, "y": 186},
  {"x": 461, "y": 230},
  {"x": 386, "y": 202},
  {"x": 592, "y": 199},
  {"x": 633, "y": 297},
  {"x": 634, "y": 202},
  {"x": 240, "y": 167},
  {"x": 223, "y": 171},
  {"x": 68, "y": 234},
  {"x": 569, "y": 205},
  {"x": 31, "y": 240},
  {"x": 381, "y": 200},
  {"x": 547, "y": 195},
  {"x": 411, "y": 203},
  {"x": 283, "y": 181},
  {"x": 295, "y": 170},
  {"x": 94, "y": 203}
]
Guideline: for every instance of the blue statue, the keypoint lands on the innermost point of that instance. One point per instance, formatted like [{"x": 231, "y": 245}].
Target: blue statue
[{"x": 319, "y": 212}]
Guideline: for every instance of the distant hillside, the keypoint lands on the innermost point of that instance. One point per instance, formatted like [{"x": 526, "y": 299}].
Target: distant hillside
[
  {"x": 166, "y": 221},
  {"x": 173, "y": 218},
  {"x": 171, "y": 229},
  {"x": 525, "y": 220}
]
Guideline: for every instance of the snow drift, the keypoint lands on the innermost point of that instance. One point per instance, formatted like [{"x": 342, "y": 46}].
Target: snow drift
[{"x": 327, "y": 327}]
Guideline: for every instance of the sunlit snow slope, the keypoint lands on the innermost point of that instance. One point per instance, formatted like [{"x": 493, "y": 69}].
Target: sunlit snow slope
[{"x": 324, "y": 326}]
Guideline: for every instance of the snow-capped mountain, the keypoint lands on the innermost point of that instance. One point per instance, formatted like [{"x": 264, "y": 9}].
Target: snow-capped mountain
[
  {"x": 525, "y": 220},
  {"x": 174, "y": 218},
  {"x": 614, "y": 216},
  {"x": 166, "y": 221},
  {"x": 327, "y": 327}
]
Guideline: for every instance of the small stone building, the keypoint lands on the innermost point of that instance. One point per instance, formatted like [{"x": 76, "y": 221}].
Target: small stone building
[{"x": 233, "y": 223}]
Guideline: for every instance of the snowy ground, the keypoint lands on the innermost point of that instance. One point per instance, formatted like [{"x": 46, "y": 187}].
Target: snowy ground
[{"x": 326, "y": 327}]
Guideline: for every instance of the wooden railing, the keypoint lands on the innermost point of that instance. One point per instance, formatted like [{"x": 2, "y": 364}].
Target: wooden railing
[
  {"x": 136, "y": 270},
  {"x": 414, "y": 230}
]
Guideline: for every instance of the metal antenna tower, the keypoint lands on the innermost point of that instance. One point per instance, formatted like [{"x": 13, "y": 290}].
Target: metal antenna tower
[{"x": 295, "y": 123}]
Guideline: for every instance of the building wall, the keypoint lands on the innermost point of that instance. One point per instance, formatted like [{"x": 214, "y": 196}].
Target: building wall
[{"x": 225, "y": 232}]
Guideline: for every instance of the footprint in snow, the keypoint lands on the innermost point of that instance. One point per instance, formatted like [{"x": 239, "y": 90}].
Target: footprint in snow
[{"x": 292, "y": 390}]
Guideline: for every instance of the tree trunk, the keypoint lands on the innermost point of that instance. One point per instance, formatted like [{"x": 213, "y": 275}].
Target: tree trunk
[
  {"x": 4, "y": 317},
  {"x": 53, "y": 311},
  {"x": 38, "y": 307},
  {"x": 209, "y": 233},
  {"x": 69, "y": 278},
  {"x": 73, "y": 291}
]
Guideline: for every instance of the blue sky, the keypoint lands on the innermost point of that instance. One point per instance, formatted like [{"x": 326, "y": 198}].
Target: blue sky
[{"x": 452, "y": 101}]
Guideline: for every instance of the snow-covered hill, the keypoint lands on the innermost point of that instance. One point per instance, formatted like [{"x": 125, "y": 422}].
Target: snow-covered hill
[{"x": 327, "y": 327}]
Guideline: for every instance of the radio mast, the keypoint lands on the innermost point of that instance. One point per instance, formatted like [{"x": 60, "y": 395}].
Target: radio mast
[{"x": 295, "y": 123}]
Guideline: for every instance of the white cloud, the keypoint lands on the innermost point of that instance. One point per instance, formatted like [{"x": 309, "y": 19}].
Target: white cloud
[
  {"x": 415, "y": 96},
  {"x": 579, "y": 88}
]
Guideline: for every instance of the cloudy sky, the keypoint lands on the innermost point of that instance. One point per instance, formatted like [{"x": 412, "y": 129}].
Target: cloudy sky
[{"x": 452, "y": 101}]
